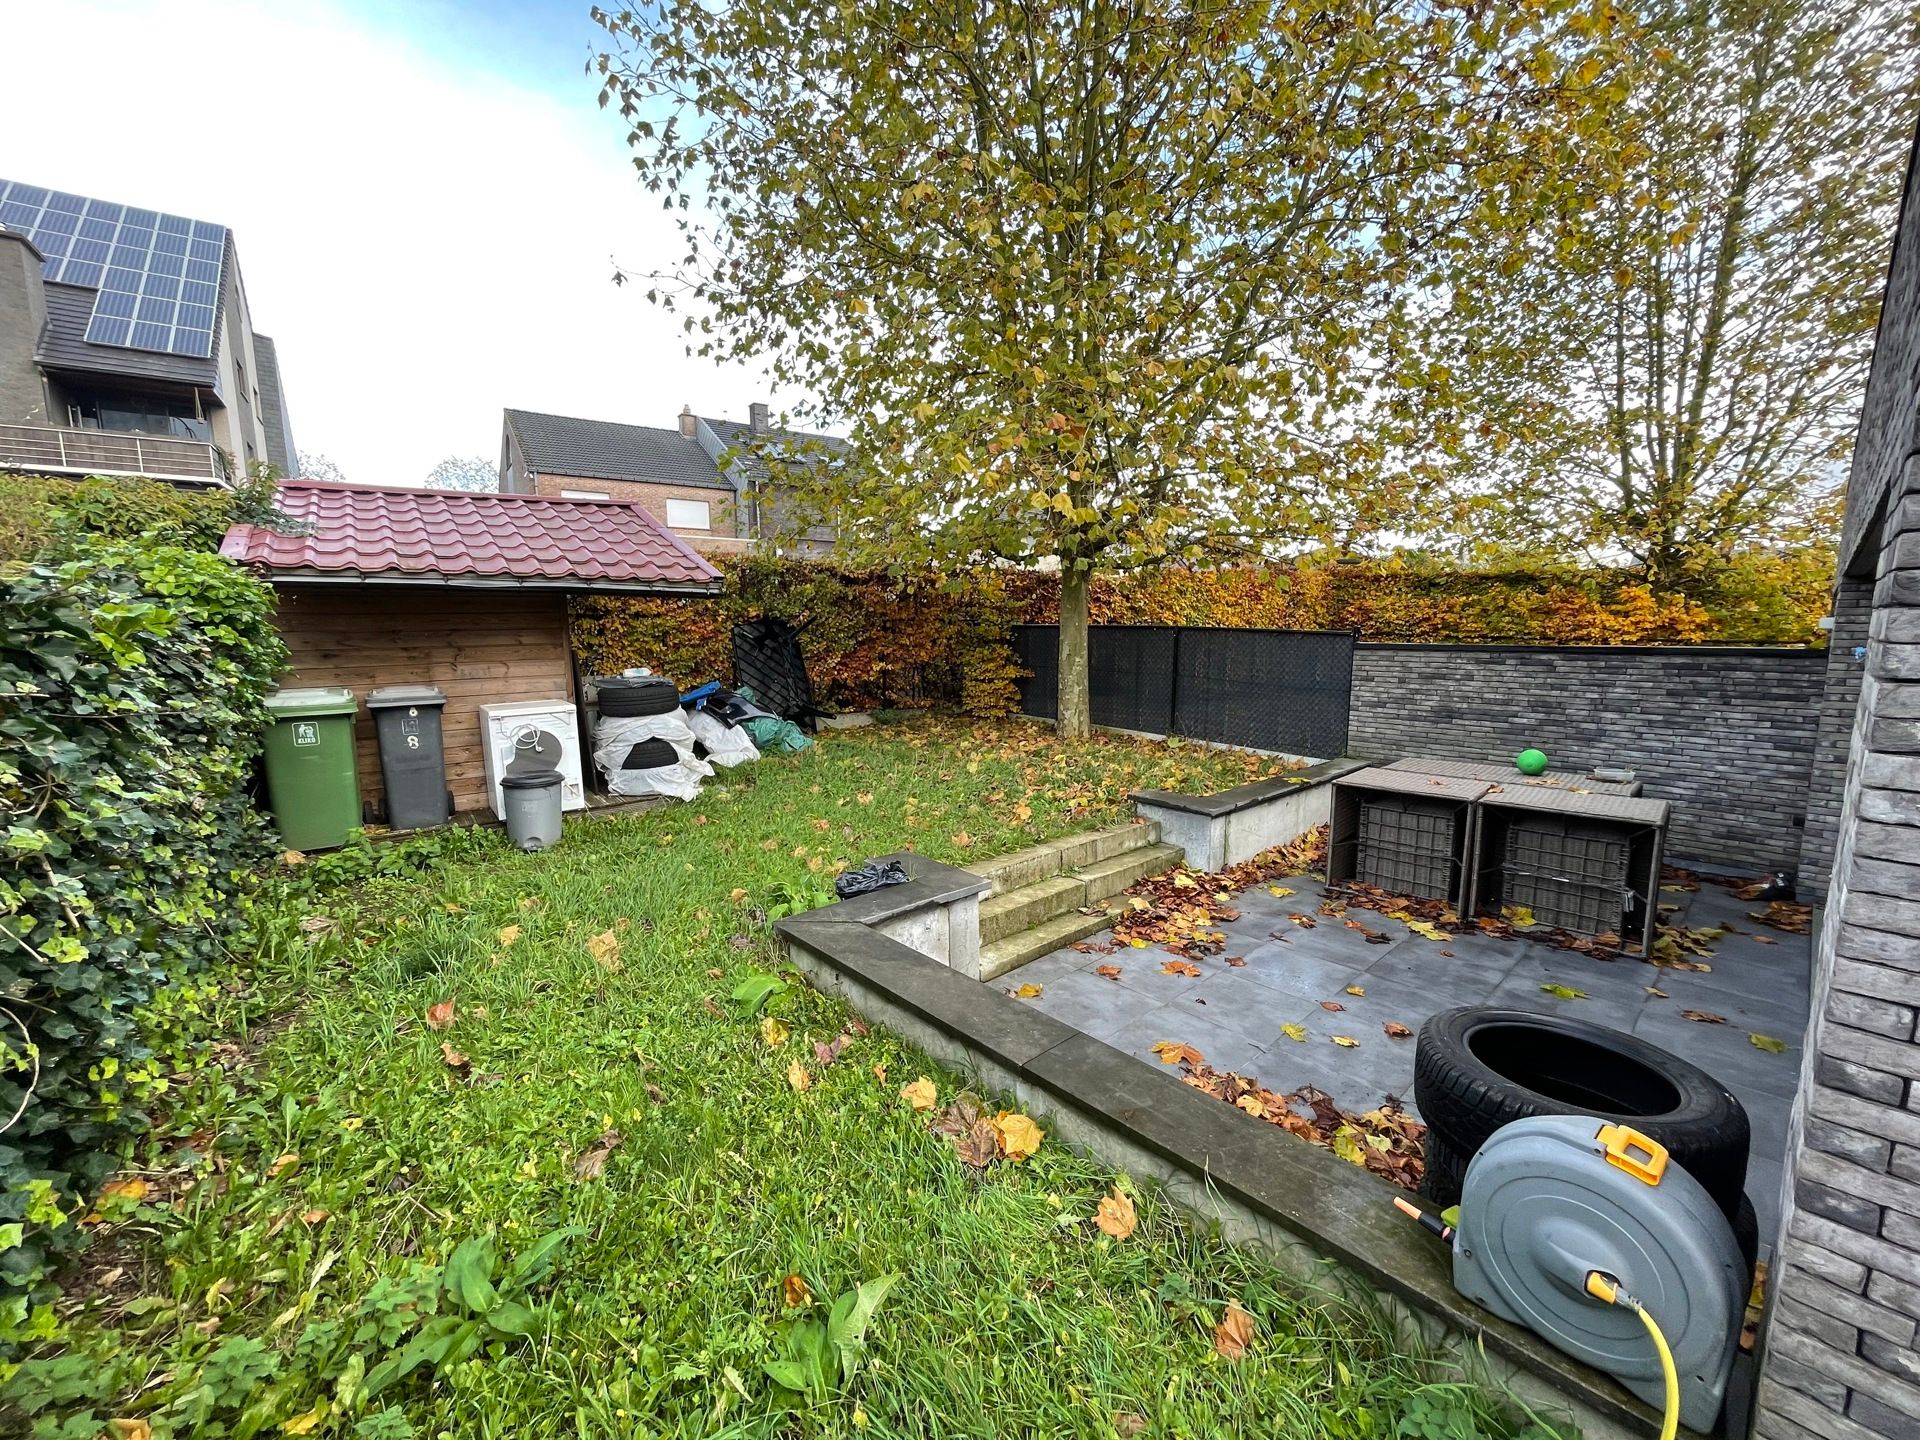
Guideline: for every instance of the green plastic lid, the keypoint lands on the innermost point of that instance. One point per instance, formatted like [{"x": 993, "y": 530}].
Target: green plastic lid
[{"x": 321, "y": 700}]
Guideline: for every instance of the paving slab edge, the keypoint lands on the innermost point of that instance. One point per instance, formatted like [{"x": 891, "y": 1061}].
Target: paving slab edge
[{"x": 1264, "y": 1186}]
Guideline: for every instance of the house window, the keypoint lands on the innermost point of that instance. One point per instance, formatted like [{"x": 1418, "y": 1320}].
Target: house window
[
  {"x": 689, "y": 515},
  {"x": 584, "y": 495}
]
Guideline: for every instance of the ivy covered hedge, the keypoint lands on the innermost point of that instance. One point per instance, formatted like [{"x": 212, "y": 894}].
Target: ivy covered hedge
[
  {"x": 872, "y": 639},
  {"x": 132, "y": 674}
]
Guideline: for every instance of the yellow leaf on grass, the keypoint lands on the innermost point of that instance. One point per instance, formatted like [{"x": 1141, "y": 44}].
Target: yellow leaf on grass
[
  {"x": 1115, "y": 1215},
  {"x": 440, "y": 1017},
  {"x": 1294, "y": 1032},
  {"x": 772, "y": 1031},
  {"x": 795, "y": 1292},
  {"x": 1768, "y": 1044},
  {"x": 134, "y": 1190},
  {"x": 1346, "y": 1042},
  {"x": 130, "y": 1429},
  {"x": 1019, "y": 1137},
  {"x": 306, "y": 1424},
  {"x": 509, "y": 934},
  {"x": 605, "y": 950},
  {"x": 286, "y": 1164},
  {"x": 961, "y": 839},
  {"x": 736, "y": 894},
  {"x": 920, "y": 1094},
  {"x": 798, "y": 1077}
]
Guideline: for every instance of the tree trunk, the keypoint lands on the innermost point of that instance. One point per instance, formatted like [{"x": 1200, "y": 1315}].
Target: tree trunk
[{"x": 1075, "y": 718}]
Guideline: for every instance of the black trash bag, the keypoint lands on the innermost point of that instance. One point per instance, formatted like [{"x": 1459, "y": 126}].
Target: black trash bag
[{"x": 874, "y": 875}]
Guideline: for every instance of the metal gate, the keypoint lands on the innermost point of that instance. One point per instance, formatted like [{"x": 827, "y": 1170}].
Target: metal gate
[{"x": 1284, "y": 690}]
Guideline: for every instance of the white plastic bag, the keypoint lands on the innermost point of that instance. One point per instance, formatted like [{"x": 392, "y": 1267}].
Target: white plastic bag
[
  {"x": 614, "y": 738},
  {"x": 726, "y": 744}
]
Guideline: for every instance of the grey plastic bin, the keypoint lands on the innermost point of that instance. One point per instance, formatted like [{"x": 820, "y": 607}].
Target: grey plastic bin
[
  {"x": 532, "y": 804},
  {"x": 413, "y": 759}
]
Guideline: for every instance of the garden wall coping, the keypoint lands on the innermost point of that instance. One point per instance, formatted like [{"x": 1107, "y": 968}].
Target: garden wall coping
[
  {"x": 1224, "y": 829},
  {"x": 1299, "y": 1203},
  {"x": 1257, "y": 792}
]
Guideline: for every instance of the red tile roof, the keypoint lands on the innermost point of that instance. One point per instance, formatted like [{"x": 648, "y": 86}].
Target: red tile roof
[{"x": 379, "y": 533}]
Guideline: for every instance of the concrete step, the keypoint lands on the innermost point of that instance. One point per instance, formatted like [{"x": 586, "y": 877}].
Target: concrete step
[
  {"x": 1017, "y": 949},
  {"x": 1107, "y": 878},
  {"x": 1022, "y": 867},
  {"x": 1030, "y": 905},
  {"x": 1071, "y": 852},
  {"x": 1079, "y": 851}
]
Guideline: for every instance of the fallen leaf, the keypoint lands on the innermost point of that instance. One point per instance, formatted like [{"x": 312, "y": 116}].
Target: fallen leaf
[
  {"x": 133, "y": 1190},
  {"x": 509, "y": 934},
  {"x": 285, "y": 1165},
  {"x": 1333, "y": 1005},
  {"x": 1181, "y": 967},
  {"x": 1019, "y": 1137},
  {"x": 455, "y": 1060},
  {"x": 1518, "y": 914},
  {"x": 1395, "y": 1029},
  {"x": 1279, "y": 892},
  {"x": 1565, "y": 992},
  {"x": 1171, "y": 1053},
  {"x": 292, "y": 857},
  {"x": 1356, "y": 990},
  {"x": 1305, "y": 922},
  {"x": 1251, "y": 1104},
  {"x": 1704, "y": 1017},
  {"x": 1028, "y": 991},
  {"x": 1107, "y": 972},
  {"x": 1127, "y": 1425},
  {"x": 1236, "y": 961},
  {"x": 656, "y": 1094},
  {"x": 1768, "y": 1044},
  {"x": 1763, "y": 940},
  {"x": 774, "y": 1032},
  {"x": 1234, "y": 1333},
  {"x": 920, "y": 1094},
  {"x": 305, "y": 1424},
  {"x": 1295, "y": 1032},
  {"x": 1656, "y": 992},
  {"x": 130, "y": 1429},
  {"x": 795, "y": 1292},
  {"x": 736, "y": 894},
  {"x": 1115, "y": 1215},
  {"x": 799, "y": 1077},
  {"x": 828, "y": 1051},
  {"x": 961, "y": 839},
  {"x": 594, "y": 1159},
  {"x": 978, "y": 1145},
  {"x": 314, "y": 1217},
  {"x": 605, "y": 950},
  {"x": 1346, "y": 1042},
  {"x": 440, "y": 1017}
]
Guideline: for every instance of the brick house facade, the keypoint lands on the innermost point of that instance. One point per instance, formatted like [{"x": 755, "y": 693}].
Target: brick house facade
[{"x": 1839, "y": 1350}]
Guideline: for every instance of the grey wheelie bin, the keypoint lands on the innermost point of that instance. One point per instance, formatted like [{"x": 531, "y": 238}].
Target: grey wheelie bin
[{"x": 413, "y": 762}]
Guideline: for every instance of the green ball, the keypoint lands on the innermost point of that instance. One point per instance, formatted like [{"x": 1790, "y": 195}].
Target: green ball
[{"x": 1531, "y": 762}]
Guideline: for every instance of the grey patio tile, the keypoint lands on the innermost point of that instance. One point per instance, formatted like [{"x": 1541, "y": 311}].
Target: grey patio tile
[
  {"x": 1724, "y": 1051},
  {"x": 1763, "y": 1189},
  {"x": 1522, "y": 991},
  {"x": 1297, "y": 970},
  {"x": 1359, "y": 1078},
  {"x": 1465, "y": 978},
  {"x": 1236, "y": 1000},
  {"x": 1047, "y": 968},
  {"x": 1224, "y": 1048},
  {"x": 1091, "y": 1004}
]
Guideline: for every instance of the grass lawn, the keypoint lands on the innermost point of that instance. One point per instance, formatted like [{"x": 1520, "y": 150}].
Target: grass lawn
[{"x": 597, "y": 1079}]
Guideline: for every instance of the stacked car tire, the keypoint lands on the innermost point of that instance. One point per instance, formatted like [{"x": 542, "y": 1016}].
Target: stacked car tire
[{"x": 1478, "y": 1069}]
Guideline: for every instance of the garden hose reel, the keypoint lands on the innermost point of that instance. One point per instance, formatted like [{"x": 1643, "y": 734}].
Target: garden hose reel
[{"x": 1554, "y": 1201}]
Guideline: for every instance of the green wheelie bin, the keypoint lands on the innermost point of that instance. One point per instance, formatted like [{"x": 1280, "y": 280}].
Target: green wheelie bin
[{"x": 311, "y": 784}]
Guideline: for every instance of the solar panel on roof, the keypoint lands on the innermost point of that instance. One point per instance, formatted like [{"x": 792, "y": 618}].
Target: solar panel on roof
[{"x": 157, "y": 276}]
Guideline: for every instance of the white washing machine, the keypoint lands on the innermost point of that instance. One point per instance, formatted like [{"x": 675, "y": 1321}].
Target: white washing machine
[{"x": 533, "y": 735}]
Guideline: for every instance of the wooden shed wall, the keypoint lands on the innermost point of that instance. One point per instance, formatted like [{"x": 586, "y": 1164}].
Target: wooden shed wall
[{"x": 480, "y": 646}]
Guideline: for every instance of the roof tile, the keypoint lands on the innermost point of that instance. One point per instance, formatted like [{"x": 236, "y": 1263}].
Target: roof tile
[{"x": 375, "y": 533}]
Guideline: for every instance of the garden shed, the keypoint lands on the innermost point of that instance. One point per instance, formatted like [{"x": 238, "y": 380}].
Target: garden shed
[{"x": 388, "y": 586}]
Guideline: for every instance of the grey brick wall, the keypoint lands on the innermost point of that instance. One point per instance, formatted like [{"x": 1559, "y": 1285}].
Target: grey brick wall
[
  {"x": 1727, "y": 735},
  {"x": 1839, "y": 1356},
  {"x": 1839, "y": 698}
]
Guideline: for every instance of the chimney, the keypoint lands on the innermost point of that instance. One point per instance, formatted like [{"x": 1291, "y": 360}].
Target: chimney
[
  {"x": 687, "y": 421},
  {"x": 757, "y": 417}
]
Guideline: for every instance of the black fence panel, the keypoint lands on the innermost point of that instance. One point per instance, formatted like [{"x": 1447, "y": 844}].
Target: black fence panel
[{"x": 1285, "y": 690}]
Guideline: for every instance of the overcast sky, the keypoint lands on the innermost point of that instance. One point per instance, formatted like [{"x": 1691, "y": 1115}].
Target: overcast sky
[{"x": 426, "y": 198}]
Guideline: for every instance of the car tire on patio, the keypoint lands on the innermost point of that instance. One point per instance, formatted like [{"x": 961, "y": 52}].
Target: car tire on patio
[{"x": 1477, "y": 1069}]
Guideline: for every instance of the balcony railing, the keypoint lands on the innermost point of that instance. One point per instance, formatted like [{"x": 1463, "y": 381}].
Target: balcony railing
[{"x": 51, "y": 450}]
